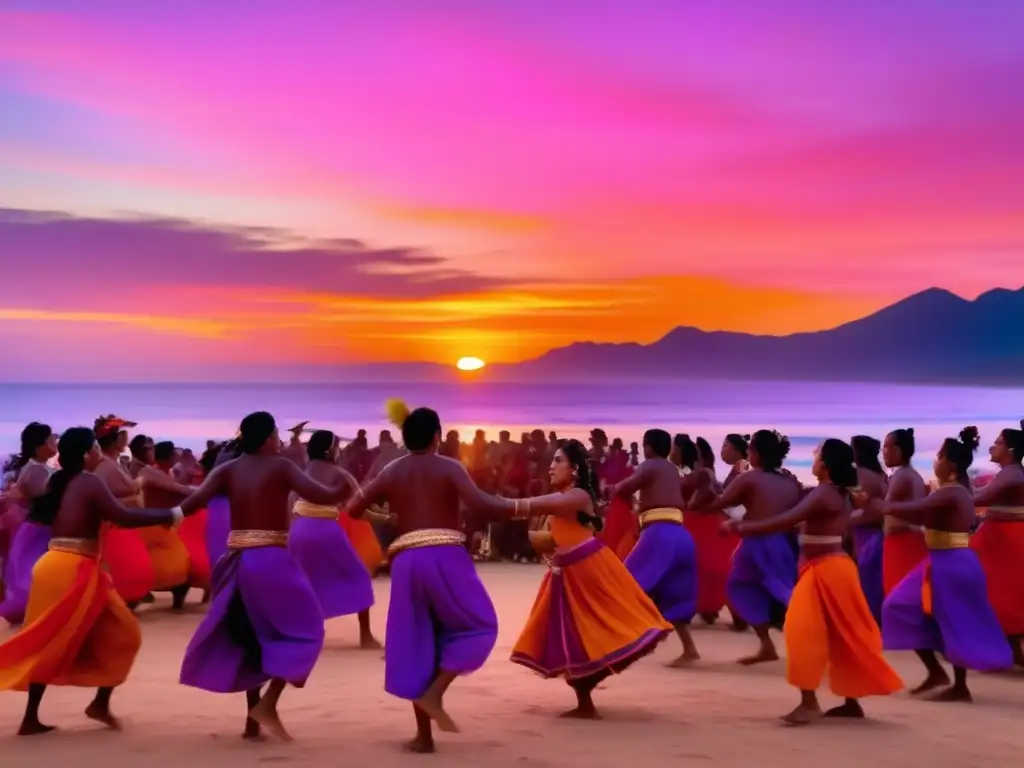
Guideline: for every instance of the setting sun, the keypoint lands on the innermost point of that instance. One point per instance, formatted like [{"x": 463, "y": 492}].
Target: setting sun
[{"x": 470, "y": 364}]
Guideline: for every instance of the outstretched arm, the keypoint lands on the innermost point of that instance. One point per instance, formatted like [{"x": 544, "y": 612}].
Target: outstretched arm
[
  {"x": 732, "y": 496},
  {"x": 991, "y": 493},
  {"x": 117, "y": 513},
  {"x": 918, "y": 512},
  {"x": 811, "y": 504},
  {"x": 477, "y": 500},
  {"x": 212, "y": 486},
  {"x": 630, "y": 485},
  {"x": 314, "y": 492},
  {"x": 567, "y": 504}
]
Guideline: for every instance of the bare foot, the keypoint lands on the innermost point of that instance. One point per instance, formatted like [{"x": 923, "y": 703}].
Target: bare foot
[
  {"x": 252, "y": 731},
  {"x": 802, "y": 715},
  {"x": 34, "y": 728},
  {"x": 848, "y": 709},
  {"x": 434, "y": 709},
  {"x": 370, "y": 643},
  {"x": 739, "y": 625},
  {"x": 709, "y": 618},
  {"x": 762, "y": 656},
  {"x": 685, "y": 660},
  {"x": 933, "y": 681},
  {"x": 581, "y": 713},
  {"x": 103, "y": 715},
  {"x": 953, "y": 693},
  {"x": 420, "y": 745},
  {"x": 268, "y": 718}
]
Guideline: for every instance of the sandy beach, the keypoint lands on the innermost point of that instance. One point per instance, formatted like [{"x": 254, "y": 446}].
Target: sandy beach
[{"x": 717, "y": 711}]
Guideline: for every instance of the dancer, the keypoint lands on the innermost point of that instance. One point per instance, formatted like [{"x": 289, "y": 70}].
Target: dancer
[
  {"x": 942, "y": 605},
  {"x": 764, "y": 568},
  {"x": 664, "y": 561},
  {"x": 591, "y": 619},
  {"x": 1000, "y": 540},
  {"x": 441, "y": 622},
  {"x": 77, "y": 630},
  {"x": 868, "y": 536},
  {"x": 714, "y": 548},
  {"x": 829, "y": 625},
  {"x": 264, "y": 621},
  {"x": 167, "y": 552},
  {"x": 32, "y": 536},
  {"x": 621, "y": 530},
  {"x": 321, "y": 548},
  {"x": 903, "y": 547}
]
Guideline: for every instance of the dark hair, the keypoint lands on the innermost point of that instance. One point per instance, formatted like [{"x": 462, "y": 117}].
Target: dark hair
[
  {"x": 137, "y": 447},
  {"x": 73, "y": 447},
  {"x": 255, "y": 430},
  {"x": 904, "y": 439},
  {"x": 420, "y": 428},
  {"x": 659, "y": 441},
  {"x": 772, "y": 447},
  {"x": 865, "y": 453},
  {"x": 961, "y": 452},
  {"x": 227, "y": 452},
  {"x": 838, "y": 459},
  {"x": 586, "y": 478},
  {"x": 33, "y": 437},
  {"x": 1014, "y": 439},
  {"x": 320, "y": 444},
  {"x": 687, "y": 450},
  {"x": 163, "y": 451},
  {"x": 739, "y": 442},
  {"x": 707, "y": 456},
  {"x": 209, "y": 458}
]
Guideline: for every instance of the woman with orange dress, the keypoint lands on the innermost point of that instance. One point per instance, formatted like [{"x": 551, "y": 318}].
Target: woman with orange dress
[
  {"x": 590, "y": 619},
  {"x": 999, "y": 541}
]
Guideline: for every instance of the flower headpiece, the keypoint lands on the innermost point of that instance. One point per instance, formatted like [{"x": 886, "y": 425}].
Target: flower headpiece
[
  {"x": 106, "y": 425},
  {"x": 397, "y": 411}
]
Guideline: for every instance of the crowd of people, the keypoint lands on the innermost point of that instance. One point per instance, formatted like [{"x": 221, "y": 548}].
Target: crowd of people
[{"x": 282, "y": 535}]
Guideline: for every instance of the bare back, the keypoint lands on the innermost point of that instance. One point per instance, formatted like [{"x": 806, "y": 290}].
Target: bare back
[
  {"x": 659, "y": 485},
  {"x": 87, "y": 503},
  {"x": 1006, "y": 491},
  {"x": 763, "y": 494},
  {"x": 906, "y": 484},
  {"x": 829, "y": 515}
]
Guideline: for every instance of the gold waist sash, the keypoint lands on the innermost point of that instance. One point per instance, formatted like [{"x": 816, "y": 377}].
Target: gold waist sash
[
  {"x": 945, "y": 539},
  {"x": 660, "y": 515},
  {"x": 427, "y": 537},
  {"x": 304, "y": 508},
  {"x": 814, "y": 540},
  {"x": 255, "y": 539},
  {"x": 83, "y": 547}
]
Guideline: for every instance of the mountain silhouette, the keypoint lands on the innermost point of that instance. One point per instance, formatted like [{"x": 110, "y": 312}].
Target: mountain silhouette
[{"x": 933, "y": 336}]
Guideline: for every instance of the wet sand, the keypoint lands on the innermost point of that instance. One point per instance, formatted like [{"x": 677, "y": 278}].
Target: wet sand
[{"x": 717, "y": 711}]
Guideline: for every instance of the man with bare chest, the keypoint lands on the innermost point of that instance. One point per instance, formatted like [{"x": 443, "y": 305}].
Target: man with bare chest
[
  {"x": 664, "y": 560},
  {"x": 264, "y": 621}
]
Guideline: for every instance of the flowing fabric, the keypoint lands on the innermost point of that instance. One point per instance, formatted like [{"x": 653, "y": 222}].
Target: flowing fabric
[
  {"x": 762, "y": 577},
  {"x": 364, "y": 541},
  {"x": 77, "y": 630},
  {"x": 942, "y": 605},
  {"x": 264, "y": 622},
  {"x": 664, "y": 564},
  {"x": 620, "y": 527},
  {"x": 868, "y": 542},
  {"x": 127, "y": 558},
  {"x": 30, "y": 543},
  {"x": 830, "y": 628},
  {"x": 168, "y": 555},
  {"x": 218, "y": 527},
  {"x": 340, "y": 579},
  {"x": 715, "y": 552},
  {"x": 193, "y": 535},
  {"x": 590, "y": 617},
  {"x": 902, "y": 551},
  {"x": 999, "y": 545}
]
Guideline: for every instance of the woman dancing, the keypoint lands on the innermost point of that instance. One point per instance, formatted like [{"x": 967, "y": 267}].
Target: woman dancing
[{"x": 868, "y": 535}]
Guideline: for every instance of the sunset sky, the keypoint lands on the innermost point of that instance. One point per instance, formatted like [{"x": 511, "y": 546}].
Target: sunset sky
[{"x": 201, "y": 187}]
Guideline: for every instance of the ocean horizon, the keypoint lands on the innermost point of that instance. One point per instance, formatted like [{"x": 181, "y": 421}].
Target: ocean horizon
[{"x": 808, "y": 412}]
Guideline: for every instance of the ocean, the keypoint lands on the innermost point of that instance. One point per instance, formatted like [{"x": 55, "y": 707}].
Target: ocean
[{"x": 806, "y": 412}]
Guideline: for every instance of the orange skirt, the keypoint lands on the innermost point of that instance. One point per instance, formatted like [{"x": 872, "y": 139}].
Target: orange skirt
[
  {"x": 999, "y": 545},
  {"x": 127, "y": 559},
  {"x": 364, "y": 541},
  {"x": 714, "y": 558},
  {"x": 902, "y": 552},
  {"x": 829, "y": 627}
]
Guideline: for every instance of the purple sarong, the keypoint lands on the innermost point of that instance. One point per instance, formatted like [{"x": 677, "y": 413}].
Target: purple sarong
[
  {"x": 339, "y": 578},
  {"x": 30, "y": 543},
  {"x": 440, "y": 617},
  {"x": 264, "y": 621},
  {"x": 218, "y": 526},
  {"x": 664, "y": 564},
  {"x": 868, "y": 541},
  {"x": 762, "y": 577},
  {"x": 962, "y": 625}
]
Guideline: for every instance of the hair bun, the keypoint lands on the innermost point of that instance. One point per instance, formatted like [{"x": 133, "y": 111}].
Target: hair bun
[
  {"x": 397, "y": 411},
  {"x": 969, "y": 436},
  {"x": 910, "y": 431}
]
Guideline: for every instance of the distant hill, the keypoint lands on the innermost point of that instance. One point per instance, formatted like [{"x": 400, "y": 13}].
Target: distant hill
[{"x": 930, "y": 336}]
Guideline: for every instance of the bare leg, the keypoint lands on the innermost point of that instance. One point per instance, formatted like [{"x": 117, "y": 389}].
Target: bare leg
[
  {"x": 959, "y": 690},
  {"x": 178, "y": 595},
  {"x": 739, "y": 625},
  {"x": 423, "y": 743},
  {"x": 1018, "y": 651},
  {"x": 252, "y": 728},
  {"x": 689, "y": 654},
  {"x": 806, "y": 712},
  {"x": 767, "y": 650},
  {"x": 265, "y": 711},
  {"x": 366, "y": 639},
  {"x": 709, "y": 617},
  {"x": 849, "y": 708},
  {"x": 585, "y": 709},
  {"x": 99, "y": 709},
  {"x": 30, "y": 725},
  {"x": 432, "y": 702},
  {"x": 206, "y": 597},
  {"x": 937, "y": 676}
]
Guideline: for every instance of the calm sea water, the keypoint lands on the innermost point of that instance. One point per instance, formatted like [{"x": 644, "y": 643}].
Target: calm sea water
[{"x": 807, "y": 412}]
